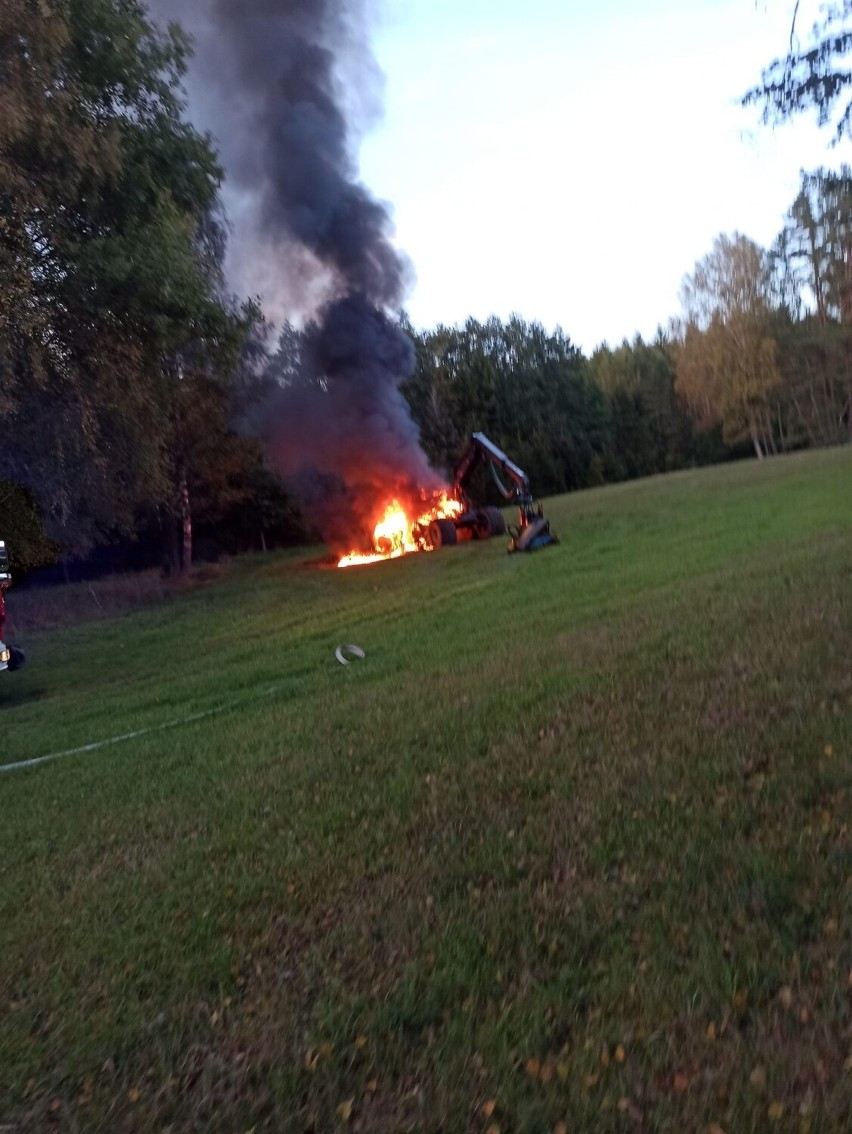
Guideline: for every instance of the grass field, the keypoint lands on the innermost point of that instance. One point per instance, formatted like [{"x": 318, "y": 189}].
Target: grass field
[{"x": 568, "y": 850}]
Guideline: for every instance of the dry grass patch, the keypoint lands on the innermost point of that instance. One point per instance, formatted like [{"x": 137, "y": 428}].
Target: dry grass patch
[{"x": 36, "y": 608}]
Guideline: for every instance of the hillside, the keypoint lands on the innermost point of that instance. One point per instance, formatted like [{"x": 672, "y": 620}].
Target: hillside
[{"x": 570, "y": 844}]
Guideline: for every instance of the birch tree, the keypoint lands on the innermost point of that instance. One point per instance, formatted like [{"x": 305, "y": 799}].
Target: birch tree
[{"x": 727, "y": 366}]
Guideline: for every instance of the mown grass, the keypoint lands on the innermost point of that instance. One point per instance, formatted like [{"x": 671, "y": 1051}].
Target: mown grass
[{"x": 571, "y": 844}]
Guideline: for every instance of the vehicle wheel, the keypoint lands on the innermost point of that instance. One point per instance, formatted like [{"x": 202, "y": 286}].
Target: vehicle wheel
[
  {"x": 442, "y": 533},
  {"x": 495, "y": 521},
  {"x": 17, "y": 659}
]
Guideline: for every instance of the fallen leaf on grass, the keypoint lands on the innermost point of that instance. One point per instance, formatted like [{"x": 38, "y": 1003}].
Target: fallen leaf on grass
[
  {"x": 493, "y": 1129},
  {"x": 533, "y": 1068},
  {"x": 711, "y": 1031},
  {"x": 681, "y": 1082},
  {"x": 619, "y": 1053},
  {"x": 87, "y": 1090},
  {"x": 785, "y": 995},
  {"x": 774, "y": 1111},
  {"x": 133, "y": 1095},
  {"x": 758, "y": 1078},
  {"x": 488, "y": 1108},
  {"x": 560, "y": 1128},
  {"x": 628, "y": 1107},
  {"x": 715, "y": 1128},
  {"x": 313, "y": 1056},
  {"x": 345, "y": 1109},
  {"x": 361, "y": 1042}
]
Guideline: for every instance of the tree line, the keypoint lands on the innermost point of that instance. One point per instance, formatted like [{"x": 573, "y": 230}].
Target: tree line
[
  {"x": 764, "y": 346},
  {"x": 128, "y": 371},
  {"x": 760, "y": 361}
]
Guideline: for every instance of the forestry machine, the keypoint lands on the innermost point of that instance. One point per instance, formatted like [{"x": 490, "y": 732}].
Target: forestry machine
[
  {"x": 10, "y": 656},
  {"x": 532, "y": 531}
]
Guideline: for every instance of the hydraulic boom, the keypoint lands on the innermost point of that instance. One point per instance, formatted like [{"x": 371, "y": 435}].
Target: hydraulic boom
[{"x": 532, "y": 531}]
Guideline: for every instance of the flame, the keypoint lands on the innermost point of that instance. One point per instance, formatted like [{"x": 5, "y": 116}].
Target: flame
[{"x": 395, "y": 535}]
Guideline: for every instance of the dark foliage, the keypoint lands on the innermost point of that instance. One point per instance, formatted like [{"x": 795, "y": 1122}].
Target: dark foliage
[
  {"x": 531, "y": 392},
  {"x": 811, "y": 77}
]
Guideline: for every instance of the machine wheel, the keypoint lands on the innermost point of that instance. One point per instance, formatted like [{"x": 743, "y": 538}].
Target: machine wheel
[
  {"x": 17, "y": 659},
  {"x": 442, "y": 533},
  {"x": 490, "y": 522}
]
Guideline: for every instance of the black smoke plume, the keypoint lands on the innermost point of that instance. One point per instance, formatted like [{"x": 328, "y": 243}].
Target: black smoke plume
[
  {"x": 285, "y": 87},
  {"x": 347, "y": 442}
]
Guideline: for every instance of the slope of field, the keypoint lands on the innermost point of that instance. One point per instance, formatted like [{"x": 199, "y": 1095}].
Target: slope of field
[{"x": 570, "y": 845}]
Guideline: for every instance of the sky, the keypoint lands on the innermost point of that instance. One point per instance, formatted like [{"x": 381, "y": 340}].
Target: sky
[
  {"x": 571, "y": 161},
  {"x": 565, "y": 160}
]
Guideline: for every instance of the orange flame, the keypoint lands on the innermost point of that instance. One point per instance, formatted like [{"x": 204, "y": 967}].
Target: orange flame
[{"x": 395, "y": 535}]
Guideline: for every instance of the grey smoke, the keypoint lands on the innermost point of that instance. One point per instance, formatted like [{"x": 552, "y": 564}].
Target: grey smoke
[
  {"x": 286, "y": 87},
  {"x": 346, "y": 460}
]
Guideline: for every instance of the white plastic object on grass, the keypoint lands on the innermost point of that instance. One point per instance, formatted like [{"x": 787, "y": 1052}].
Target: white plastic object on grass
[{"x": 355, "y": 651}]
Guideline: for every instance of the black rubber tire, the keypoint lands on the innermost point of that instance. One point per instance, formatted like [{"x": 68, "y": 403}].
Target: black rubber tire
[
  {"x": 17, "y": 659},
  {"x": 495, "y": 520},
  {"x": 442, "y": 533},
  {"x": 481, "y": 527}
]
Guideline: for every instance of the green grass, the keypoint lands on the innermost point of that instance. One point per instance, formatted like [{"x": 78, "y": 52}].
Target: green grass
[{"x": 573, "y": 839}]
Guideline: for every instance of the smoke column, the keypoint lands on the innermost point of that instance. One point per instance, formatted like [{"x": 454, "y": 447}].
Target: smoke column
[{"x": 286, "y": 87}]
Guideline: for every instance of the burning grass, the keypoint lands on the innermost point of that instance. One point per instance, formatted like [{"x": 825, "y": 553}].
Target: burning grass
[{"x": 570, "y": 845}]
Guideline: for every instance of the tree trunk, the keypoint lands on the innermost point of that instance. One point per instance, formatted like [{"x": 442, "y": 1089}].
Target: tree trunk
[
  {"x": 186, "y": 521},
  {"x": 781, "y": 436},
  {"x": 757, "y": 449}
]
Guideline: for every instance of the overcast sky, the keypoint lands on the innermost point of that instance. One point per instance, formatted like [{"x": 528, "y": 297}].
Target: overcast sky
[{"x": 571, "y": 161}]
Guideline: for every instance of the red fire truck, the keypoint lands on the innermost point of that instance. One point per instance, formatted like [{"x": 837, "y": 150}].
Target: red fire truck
[{"x": 10, "y": 656}]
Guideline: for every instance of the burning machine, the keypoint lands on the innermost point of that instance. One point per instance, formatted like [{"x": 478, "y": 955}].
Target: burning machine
[{"x": 533, "y": 530}]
